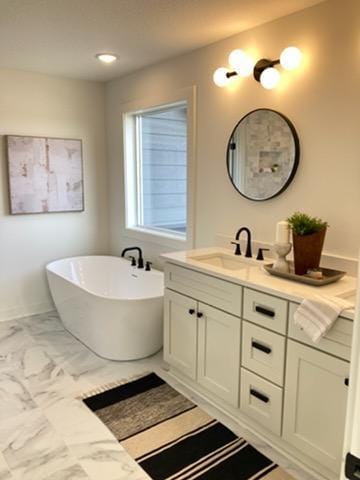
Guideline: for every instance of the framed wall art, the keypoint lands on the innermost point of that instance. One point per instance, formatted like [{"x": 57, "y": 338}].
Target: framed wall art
[{"x": 45, "y": 174}]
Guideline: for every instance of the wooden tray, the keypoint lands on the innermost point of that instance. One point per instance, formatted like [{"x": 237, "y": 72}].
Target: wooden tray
[{"x": 329, "y": 275}]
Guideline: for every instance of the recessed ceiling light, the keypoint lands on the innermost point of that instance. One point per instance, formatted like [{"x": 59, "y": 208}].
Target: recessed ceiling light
[{"x": 106, "y": 57}]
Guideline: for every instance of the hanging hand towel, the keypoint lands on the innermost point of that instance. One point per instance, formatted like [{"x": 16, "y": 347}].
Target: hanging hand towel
[{"x": 317, "y": 315}]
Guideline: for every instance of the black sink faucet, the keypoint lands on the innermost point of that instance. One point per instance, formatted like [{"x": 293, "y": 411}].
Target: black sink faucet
[
  {"x": 140, "y": 259},
  {"x": 248, "y": 252}
]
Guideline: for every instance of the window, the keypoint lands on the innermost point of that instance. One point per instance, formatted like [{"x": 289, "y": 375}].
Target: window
[{"x": 156, "y": 153}]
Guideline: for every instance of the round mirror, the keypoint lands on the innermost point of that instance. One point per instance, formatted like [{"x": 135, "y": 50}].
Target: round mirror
[{"x": 262, "y": 154}]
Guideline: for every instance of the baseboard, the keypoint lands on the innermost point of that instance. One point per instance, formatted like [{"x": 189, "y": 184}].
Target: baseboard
[{"x": 25, "y": 311}]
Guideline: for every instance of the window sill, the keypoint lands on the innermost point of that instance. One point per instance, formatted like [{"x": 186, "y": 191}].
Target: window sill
[{"x": 167, "y": 239}]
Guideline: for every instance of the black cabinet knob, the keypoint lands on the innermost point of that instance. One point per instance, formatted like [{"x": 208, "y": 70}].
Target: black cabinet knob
[
  {"x": 199, "y": 315},
  {"x": 191, "y": 311}
]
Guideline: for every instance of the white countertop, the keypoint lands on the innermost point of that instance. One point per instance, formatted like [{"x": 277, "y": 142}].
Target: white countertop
[{"x": 256, "y": 277}]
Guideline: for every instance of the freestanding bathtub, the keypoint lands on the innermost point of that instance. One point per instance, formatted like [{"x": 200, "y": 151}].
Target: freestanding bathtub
[{"x": 113, "y": 308}]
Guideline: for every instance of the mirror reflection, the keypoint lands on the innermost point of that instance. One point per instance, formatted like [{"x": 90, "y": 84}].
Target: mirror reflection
[{"x": 262, "y": 154}]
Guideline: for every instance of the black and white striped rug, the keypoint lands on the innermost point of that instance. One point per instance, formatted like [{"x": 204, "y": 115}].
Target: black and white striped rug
[{"x": 173, "y": 439}]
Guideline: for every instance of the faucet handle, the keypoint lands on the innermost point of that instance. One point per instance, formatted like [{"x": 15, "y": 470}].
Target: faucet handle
[
  {"x": 237, "y": 248},
  {"x": 148, "y": 266},
  {"x": 260, "y": 255},
  {"x": 133, "y": 261}
]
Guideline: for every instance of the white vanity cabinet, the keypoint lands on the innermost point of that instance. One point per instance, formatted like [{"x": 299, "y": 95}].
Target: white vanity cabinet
[
  {"x": 200, "y": 341},
  {"x": 180, "y": 333},
  {"x": 219, "y": 353},
  {"x": 315, "y": 403},
  {"x": 239, "y": 347}
]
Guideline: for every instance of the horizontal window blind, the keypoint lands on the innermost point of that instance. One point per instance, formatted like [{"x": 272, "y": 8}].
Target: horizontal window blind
[{"x": 162, "y": 168}]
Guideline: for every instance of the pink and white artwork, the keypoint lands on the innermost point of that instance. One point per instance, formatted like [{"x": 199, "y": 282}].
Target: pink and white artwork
[{"x": 45, "y": 175}]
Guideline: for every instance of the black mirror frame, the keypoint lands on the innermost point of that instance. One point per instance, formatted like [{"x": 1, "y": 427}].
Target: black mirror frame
[{"x": 296, "y": 159}]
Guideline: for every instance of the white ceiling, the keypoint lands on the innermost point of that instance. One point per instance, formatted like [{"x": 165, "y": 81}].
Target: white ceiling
[{"x": 61, "y": 37}]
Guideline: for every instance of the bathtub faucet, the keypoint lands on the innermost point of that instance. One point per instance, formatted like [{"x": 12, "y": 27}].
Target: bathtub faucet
[{"x": 140, "y": 259}]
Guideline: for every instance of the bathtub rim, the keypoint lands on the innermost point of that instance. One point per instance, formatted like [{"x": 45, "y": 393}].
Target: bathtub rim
[{"x": 104, "y": 297}]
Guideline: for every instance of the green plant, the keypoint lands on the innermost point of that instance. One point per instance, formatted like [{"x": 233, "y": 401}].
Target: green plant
[{"x": 303, "y": 224}]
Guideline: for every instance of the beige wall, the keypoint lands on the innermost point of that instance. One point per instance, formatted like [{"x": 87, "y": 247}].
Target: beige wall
[
  {"x": 32, "y": 104},
  {"x": 322, "y": 100}
]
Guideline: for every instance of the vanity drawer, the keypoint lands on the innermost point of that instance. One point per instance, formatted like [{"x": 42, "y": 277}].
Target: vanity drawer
[
  {"x": 265, "y": 310},
  {"x": 336, "y": 342},
  {"x": 263, "y": 352},
  {"x": 261, "y": 400},
  {"x": 226, "y": 296}
]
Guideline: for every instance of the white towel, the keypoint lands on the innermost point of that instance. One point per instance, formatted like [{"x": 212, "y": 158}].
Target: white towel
[{"x": 316, "y": 316}]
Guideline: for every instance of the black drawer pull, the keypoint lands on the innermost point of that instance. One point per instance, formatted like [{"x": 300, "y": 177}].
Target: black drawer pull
[
  {"x": 259, "y": 395},
  {"x": 199, "y": 315},
  {"x": 265, "y": 311},
  {"x": 346, "y": 381},
  {"x": 261, "y": 347},
  {"x": 191, "y": 311}
]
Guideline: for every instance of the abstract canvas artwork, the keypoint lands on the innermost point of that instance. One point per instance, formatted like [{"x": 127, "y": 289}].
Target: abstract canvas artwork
[{"x": 45, "y": 175}]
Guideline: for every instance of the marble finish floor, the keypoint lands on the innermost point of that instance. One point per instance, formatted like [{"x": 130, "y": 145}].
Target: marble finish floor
[{"x": 46, "y": 433}]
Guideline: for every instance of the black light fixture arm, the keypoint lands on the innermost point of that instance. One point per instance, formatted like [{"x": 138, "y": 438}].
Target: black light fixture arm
[
  {"x": 231, "y": 74},
  {"x": 260, "y": 66}
]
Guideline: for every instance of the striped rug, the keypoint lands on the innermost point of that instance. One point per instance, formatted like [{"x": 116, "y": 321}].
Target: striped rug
[{"x": 173, "y": 439}]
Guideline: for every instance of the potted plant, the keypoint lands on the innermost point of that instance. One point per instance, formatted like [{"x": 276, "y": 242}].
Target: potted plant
[{"x": 308, "y": 240}]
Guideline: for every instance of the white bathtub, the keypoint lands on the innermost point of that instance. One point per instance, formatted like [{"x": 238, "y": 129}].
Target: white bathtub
[{"x": 113, "y": 308}]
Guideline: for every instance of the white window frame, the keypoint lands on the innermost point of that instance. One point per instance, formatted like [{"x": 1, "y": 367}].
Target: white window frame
[{"x": 131, "y": 177}]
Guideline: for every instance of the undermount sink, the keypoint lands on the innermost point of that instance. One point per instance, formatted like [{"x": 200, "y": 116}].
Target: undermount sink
[{"x": 226, "y": 261}]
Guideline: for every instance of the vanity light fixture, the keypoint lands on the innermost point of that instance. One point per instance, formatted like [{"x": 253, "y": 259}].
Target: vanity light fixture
[
  {"x": 106, "y": 57},
  {"x": 263, "y": 70}
]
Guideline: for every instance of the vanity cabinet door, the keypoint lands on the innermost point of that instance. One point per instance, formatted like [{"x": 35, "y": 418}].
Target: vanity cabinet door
[
  {"x": 315, "y": 404},
  {"x": 219, "y": 353},
  {"x": 180, "y": 333}
]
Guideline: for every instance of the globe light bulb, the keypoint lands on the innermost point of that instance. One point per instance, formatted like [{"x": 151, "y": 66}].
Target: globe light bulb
[
  {"x": 220, "y": 78},
  {"x": 106, "y": 57},
  {"x": 269, "y": 78},
  {"x": 290, "y": 58},
  {"x": 241, "y": 62}
]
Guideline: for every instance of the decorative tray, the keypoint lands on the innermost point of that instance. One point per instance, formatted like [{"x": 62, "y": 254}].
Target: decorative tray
[{"x": 329, "y": 275}]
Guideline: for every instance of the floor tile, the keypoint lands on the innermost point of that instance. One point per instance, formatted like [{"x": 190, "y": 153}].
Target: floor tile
[
  {"x": 44, "y": 322},
  {"x": 14, "y": 397},
  {"x": 43, "y": 467},
  {"x": 46, "y": 432},
  {"x": 31, "y": 446},
  {"x": 4, "y": 469},
  {"x": 76, "y": 423},
  {"x": 74, "y": 472},
  {"x": 107, "y": 460},
  {"x": 13, "y": 343},
  {"x": 5, "y": 474}
]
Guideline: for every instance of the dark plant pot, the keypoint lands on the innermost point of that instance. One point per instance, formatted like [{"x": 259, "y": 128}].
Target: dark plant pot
[{"x": 307, "y": 251}]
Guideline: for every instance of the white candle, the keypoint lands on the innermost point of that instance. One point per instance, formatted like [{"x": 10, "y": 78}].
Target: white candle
[{"x": 282, "y": 232}]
